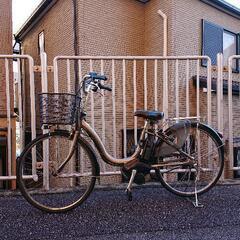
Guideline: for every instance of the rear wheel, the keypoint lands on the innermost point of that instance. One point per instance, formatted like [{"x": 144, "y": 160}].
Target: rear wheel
[
  {"x": 53, "y": 192},
  {"x": 206, "y": 147}
]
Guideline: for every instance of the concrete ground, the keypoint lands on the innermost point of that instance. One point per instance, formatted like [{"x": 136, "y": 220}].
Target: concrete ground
[{"x": 154, "y": 213}]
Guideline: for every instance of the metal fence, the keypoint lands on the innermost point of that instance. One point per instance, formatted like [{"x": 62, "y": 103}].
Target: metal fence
[
  {"x": 147, "y": 82},
  {"x": 8, "y": 106}
]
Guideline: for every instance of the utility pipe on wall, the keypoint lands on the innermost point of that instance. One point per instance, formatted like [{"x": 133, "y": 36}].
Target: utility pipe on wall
[
  {"x": 165, "y": 32},
  {"x": 165, "y": 62}
]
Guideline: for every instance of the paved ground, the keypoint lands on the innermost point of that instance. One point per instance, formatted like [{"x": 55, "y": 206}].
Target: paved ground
[{"x": 153, "y": 214}]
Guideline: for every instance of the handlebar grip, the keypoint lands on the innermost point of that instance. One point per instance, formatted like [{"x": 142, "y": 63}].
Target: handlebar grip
[
  {"x": 101, "y": 77},
  {"x": 94, "y": 76},
  {"x": 104, "y": 87}
]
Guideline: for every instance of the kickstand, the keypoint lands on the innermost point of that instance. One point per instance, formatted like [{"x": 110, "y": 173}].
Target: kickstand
[
  {"x": 196, "y": 203},
  {"x": 129, "y": 187}
]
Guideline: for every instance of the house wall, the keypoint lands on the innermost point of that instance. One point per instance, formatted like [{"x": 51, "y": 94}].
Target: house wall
[
  {"x": 187, "y": 37},
  {"x": 127, "y": 27},
  {"x": 58, "y": 33},
  {"x": 188, "y": 26},
  {"x": 188, "y": 41},
  {"x": 105, "y": 28}
]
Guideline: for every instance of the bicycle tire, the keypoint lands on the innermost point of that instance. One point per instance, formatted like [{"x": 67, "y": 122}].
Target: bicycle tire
[
  {"x": 184, "y": 186},
  {"x": 64, "y": 193}
]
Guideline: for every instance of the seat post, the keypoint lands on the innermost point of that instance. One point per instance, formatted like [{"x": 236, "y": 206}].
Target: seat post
[{"x": 146, "y": 125}]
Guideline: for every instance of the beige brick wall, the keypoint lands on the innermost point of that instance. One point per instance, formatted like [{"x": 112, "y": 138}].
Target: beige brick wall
[
  {"x": 188, "y": 40},
  {"x": 105, "y": 28},
  {"x": 187, "y": 37},
  {"x": 127, "y": 27},
  {"x": 187, "y": 30}
]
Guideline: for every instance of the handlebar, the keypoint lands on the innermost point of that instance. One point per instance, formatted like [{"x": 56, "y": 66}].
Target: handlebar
[{"x": 91, "y": 81}]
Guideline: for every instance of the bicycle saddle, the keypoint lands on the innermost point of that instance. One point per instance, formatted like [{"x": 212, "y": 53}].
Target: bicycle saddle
[{"x": 152, "y": 115}]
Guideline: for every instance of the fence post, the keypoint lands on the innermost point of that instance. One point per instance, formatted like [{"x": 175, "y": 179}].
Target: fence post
[{"x": 44, "y": 79}]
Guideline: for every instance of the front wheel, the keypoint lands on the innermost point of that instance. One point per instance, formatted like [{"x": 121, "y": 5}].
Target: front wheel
[
  {"x": 37, "y": 168},
  {"x": 206, "y": 147}
]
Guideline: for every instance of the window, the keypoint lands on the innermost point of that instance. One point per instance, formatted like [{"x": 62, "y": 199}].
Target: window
[
  {"x": 216, "y": 40},
  {"x": 229, "y": 47},
  {"x": 41, "y": 44}
]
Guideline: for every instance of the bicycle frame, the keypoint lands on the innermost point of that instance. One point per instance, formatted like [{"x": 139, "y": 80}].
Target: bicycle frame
[{"x": 128, "y": 162}]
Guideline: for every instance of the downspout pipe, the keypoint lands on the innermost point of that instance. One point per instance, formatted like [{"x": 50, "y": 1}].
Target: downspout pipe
[
  {"x": 165, "y": 32},
  {"x": 75, "y": 41},
  {"x": 165, "y": 62}
]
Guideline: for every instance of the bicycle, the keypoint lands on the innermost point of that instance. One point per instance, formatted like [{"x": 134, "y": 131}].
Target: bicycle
[{"x": 187, "y": 157}]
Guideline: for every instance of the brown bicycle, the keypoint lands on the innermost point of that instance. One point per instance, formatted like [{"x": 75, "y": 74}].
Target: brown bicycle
[{"x": 57, "y": 171}]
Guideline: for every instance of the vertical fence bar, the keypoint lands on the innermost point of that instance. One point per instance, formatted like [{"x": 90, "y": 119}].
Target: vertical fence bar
[
  {"x": 230, "y": 112},
  {"x": 55, "y": 75},
  {"x": 23, "y": 73},
  {"x": 165, "y": 88},
  {"x": 33, "y": 112},
  {"x": 198, "y": 89},
  {"x": 103, "y": 107},
  {"x": 46, "y": 142},
  {"x": 69, "y": 89},
  {"x": 221, "y": 88},
  {"x": 209, "y": 90},
  {"x": 81, "y": 161},
  {"x": 220, "y": 95},
  {"x": 198, "y": 110},
  {"x": 114, "y": 109},
  {"x": 177, "y": 88},
  {"x": 80, "y": 70},
  {"x": 103, "y": 115},
  {"x": 155, "y": 85},
  {"x": 124, "y": 110},
  {"x": 20, "y": 105},
  {"x": 145, "y": 85},
  {"x": 9, "y": 125},
  {"x": 187, "y": 89},
  {"x": 92, "y": 99},
  {"x": 135, "y": 98},
  {"x": 219, "y": 91}
]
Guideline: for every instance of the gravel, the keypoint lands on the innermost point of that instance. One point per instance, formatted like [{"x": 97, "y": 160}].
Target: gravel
[{"x": 154, "y": 213}]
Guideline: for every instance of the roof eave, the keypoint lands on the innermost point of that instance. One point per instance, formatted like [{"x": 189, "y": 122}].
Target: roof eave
[
  {"x": 35, "y": 17},
  {"x": 224, "y": 7}
]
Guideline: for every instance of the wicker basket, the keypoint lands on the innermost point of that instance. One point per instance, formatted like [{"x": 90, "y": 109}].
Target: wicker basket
[{"x": 58, "y": 108}]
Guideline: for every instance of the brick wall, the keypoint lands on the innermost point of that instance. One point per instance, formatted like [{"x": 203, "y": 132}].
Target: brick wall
[
  {"x": 187, "y": 37},
  {"x": 127, "y": 27},
  {"x": 105, "y": 28}
]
